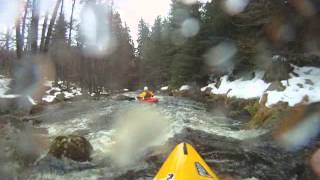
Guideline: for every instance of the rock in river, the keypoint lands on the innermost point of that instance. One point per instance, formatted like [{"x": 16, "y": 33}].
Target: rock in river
[{"x": 73, "y": 147}]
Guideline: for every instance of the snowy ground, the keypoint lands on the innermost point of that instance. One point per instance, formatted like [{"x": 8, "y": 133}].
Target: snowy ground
[
  {"x": 4, "y": 83},
  {"x": 306, "y": 82},
  {"x": 49, "y": 97},
  {"x": 53, "y": 92}
]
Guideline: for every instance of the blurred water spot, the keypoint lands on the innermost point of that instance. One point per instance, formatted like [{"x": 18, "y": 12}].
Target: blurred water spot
[
  {"x": 190, "y": 27},
  {"x": 233, "y": 7},
  {"x": 181, "y": 14},
  {"x": 221, "y": 55},
  {"x": 302, "y": 134},
  {"x": 9, "y": 11},
  {"x": 136, "y": 130},
  {"x": 188, "y": 2},
  {"x": 96, "y": 35},
  {"x": 287, "y": 33},
  {"x": 31, "y": 75},
  {"x": 280, "y": 32}
]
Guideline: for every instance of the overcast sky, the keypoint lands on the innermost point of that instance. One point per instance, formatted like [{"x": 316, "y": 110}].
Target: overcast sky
[{"x": 131, "y": 11}]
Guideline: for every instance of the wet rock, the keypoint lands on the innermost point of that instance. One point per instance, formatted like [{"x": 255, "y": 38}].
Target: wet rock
[
  {"x": 278, "y": 70},
  {"x": 207, "y": 91},
  {"x": 276, "y": 86},
  {"x": 300, "y": 85},
  {"x": 73, "y": 147},
  {"x": 122, "y": 97},
  {"x": 308, "y": 81},
  {"x": 60, "y": 97},
  {"x": 234, "y": 108}
]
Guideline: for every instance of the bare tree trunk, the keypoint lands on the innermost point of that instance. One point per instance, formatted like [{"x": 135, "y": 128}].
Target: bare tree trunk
[
  {"x": 18, "y": 39},
  {"x": 34, "y": 26},
  {"x": 71, "y": 23},
  {"x": 24, "y": 23},
  {"x": 44, "y": 29},
  {"x": 61, "y": 9},
  {"x": 50, "y": 28},
  {"x": 7, "y": 36}
]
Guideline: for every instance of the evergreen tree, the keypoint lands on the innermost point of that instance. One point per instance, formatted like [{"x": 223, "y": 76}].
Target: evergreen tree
[
  {"x": 186, "y": 61},
  {"x": 143, "y": 36}
]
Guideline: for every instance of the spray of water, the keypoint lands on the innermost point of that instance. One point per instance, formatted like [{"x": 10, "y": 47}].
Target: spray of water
[
  {"x": 221, "y": 56},
  {"x": 137, "y": 129}
]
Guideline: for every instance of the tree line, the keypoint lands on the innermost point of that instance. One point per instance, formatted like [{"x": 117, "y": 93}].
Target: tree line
[
  {"x": 247, "y": 37},
  {"x": 174, "y": 50}
]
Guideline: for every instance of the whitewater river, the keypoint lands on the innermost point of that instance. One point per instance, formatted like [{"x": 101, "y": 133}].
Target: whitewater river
[{"x": 131, "y": 140}]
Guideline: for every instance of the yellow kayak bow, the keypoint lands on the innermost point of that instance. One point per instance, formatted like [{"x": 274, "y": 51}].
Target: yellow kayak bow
[{"x": 184, "y": 163}]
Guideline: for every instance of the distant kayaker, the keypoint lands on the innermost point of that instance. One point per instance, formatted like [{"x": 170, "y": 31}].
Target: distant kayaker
[{"x": 145, "y": 94}]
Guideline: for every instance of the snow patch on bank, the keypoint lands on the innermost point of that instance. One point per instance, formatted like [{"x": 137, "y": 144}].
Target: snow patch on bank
[
  {"x": 242, "y": 88},
  {"x": 185, "y": 88},
  {"x": 165, "y": 88},
  {"x": 304, "y": 81},
  {"x": 4, "y": 85},
  {"x": 53, "y": 92}
]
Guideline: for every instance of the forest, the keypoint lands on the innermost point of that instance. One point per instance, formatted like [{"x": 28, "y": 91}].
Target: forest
[{"x": 175, "y": 50}]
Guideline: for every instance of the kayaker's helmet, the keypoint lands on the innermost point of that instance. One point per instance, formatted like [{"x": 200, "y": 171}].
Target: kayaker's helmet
[{"x": 145, "y": 88}]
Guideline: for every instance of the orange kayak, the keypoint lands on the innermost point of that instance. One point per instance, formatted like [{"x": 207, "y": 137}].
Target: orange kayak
[{"x": 152, "y": 99}]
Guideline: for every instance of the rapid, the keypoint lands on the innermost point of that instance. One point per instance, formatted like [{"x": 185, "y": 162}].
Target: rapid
[{"x": 131, "y": 139}]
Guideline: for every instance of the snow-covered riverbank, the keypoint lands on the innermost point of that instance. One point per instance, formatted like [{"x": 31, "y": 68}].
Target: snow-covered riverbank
[{"x": 304, "y": 81}]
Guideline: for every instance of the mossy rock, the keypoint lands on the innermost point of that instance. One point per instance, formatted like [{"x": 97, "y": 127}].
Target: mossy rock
[
  {"x": 252, "y": 108},
  {"x": 259, "y": 118},
  {"x": 60, "y": 97},
  {"x": 266, "y": 116},
  {"x": 73, "y": 147}
]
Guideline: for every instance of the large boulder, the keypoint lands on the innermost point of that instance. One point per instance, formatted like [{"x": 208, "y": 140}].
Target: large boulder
[
  {"x": 278, "y": 70},
  {"x": 276, "y": 86},
  {"x": 73, "y": 147}
]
